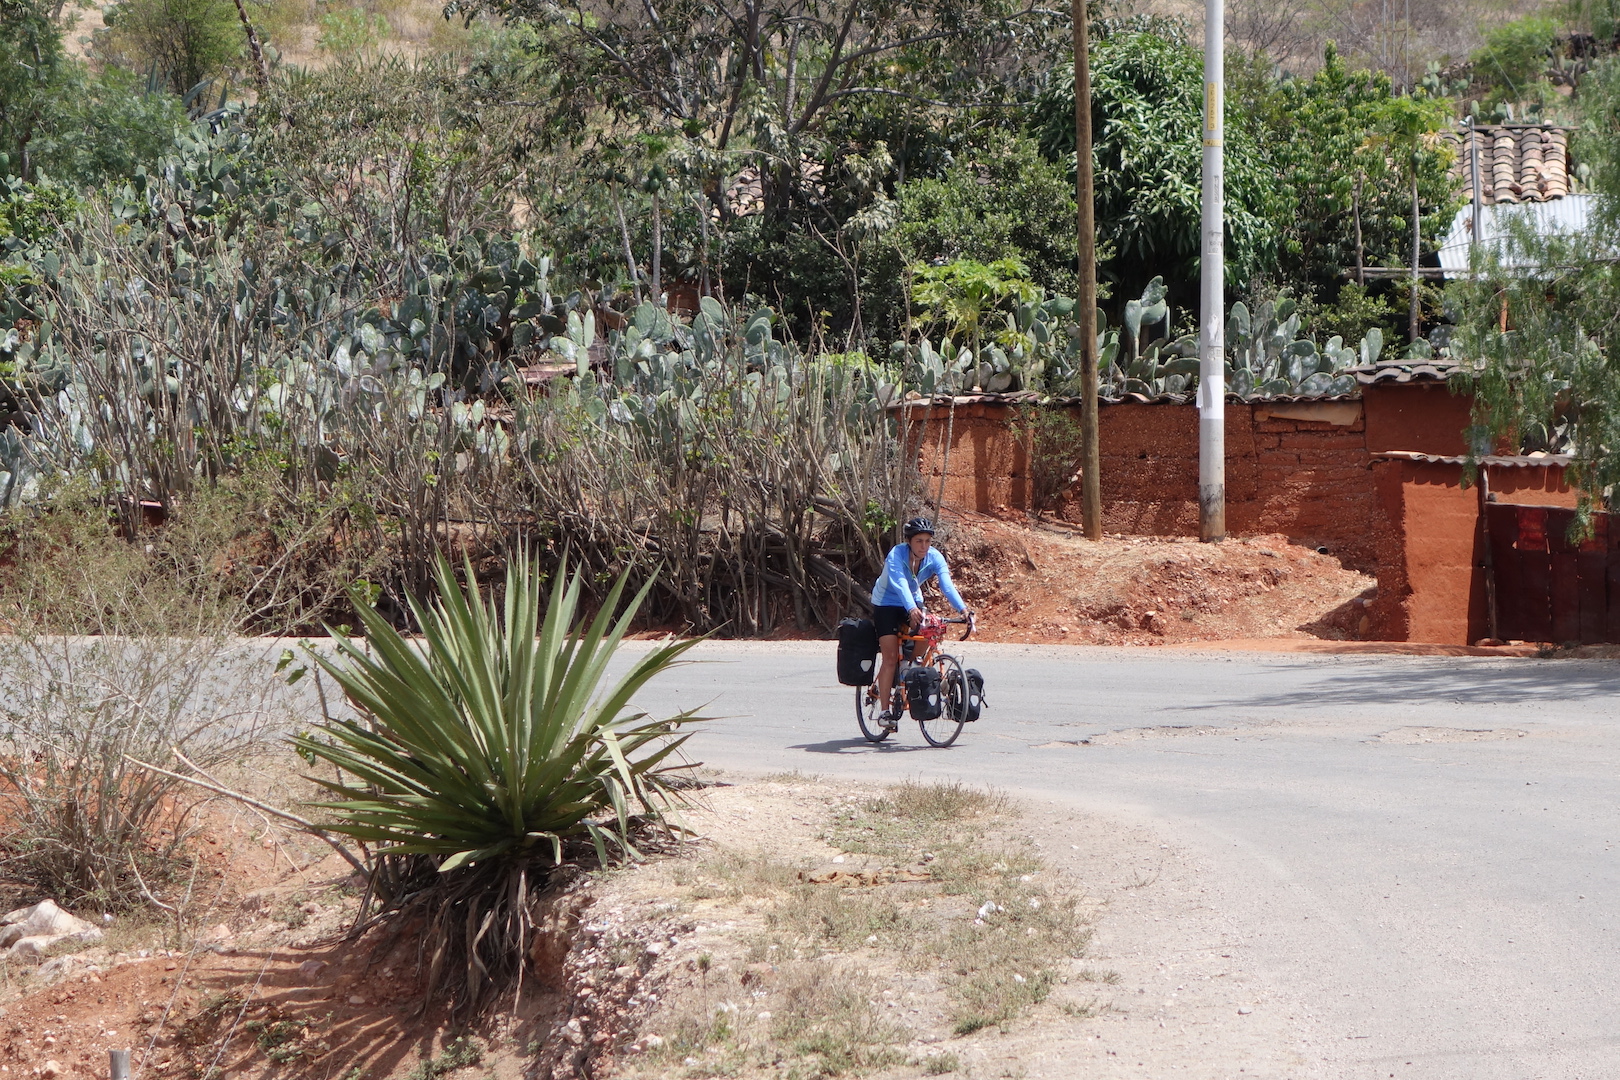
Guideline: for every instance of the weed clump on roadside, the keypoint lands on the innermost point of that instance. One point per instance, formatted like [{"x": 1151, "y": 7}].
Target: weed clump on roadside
[
  {"x": 821, "y": 1021},
  {"x": 944, "y": 895}
]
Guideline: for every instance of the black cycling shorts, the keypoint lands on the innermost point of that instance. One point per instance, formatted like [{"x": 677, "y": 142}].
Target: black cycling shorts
[{"x": 889, "y": 619}]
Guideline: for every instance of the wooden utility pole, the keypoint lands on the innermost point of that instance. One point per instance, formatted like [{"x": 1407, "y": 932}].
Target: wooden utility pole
[{"x": 1091, "y": 455}]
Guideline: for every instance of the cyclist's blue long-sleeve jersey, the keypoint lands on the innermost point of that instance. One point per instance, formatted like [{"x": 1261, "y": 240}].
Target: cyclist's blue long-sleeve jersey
[{"x": 899, "y": 588}]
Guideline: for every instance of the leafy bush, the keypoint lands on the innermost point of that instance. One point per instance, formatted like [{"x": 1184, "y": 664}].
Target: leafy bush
[
  {"x": 1356, "y": 312},
  {"x": 1004, "y": 202},
  {"x": 492, "y": 745},
  {"x": 1512, "y": 65}
]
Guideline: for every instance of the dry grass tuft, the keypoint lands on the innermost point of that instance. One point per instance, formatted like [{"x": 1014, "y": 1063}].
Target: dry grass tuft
[{"x": 966, "y": 910}]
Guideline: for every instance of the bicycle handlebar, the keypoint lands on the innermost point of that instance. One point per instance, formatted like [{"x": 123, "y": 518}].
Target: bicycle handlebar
[{"x": 970, "y": 621}]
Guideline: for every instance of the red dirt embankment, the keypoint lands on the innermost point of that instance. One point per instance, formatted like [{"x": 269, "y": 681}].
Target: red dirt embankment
[{"x": 1034, "y": 581}]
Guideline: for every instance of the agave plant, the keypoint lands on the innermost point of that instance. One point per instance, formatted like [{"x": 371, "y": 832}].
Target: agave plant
[
  {"x": 495, "y": 739},
  {"x": 486, "y": 748}
]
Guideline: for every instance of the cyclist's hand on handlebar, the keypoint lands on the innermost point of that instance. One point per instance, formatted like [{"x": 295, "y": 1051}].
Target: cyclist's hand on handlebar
[{"x": 916, "y": 619}]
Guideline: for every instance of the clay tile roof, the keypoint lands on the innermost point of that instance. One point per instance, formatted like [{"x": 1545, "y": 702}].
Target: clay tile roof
[
  {"x": 1404, "y": 371},
  {"x": 1510, "y": 461},
  {"x": 1517, "y": 162}
]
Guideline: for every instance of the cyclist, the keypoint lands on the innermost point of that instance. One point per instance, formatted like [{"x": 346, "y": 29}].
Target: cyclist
[{"x": 897, "y": 601}]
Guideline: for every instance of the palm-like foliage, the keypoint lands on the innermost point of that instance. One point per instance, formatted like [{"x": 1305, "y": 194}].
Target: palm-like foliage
[{"x": 494, "y": 740}]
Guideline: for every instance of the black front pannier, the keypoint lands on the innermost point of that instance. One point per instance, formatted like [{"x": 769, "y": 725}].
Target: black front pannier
[
  {"x": 975, "y": 697},
  {"x": 922, "y": 693},
  {"x": 857, "y": 652}
]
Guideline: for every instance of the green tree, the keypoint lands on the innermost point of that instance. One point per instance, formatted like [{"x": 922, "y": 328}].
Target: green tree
[
  {"x": 31, "y": 64},
  {"x": 1551, "y": 378},
  {"x": 793, "y": 120},
  {"x": 1147, "y": 123},
  {"x": 61, "y": 120},
  {"x": 1511, "y": 67},
  {"x": 1004, "y": 201},
  {"x": 188, "y": 41},
  {"x": 1348, "y": 148}
]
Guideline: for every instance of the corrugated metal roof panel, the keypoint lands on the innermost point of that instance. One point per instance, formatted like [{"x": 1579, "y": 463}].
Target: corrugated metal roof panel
[{"x": 1568, "y": 216}]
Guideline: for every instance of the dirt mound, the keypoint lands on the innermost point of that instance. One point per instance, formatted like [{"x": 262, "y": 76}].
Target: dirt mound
[{"x": 1045, "y": 582}]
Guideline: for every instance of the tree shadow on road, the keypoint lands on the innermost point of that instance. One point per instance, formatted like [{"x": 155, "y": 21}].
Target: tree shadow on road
[{"x": 1453, "y": 680}]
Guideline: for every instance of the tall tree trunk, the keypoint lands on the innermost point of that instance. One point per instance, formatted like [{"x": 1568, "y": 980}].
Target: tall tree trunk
[
  {"x": 261, "y": 70},
  {"x": 624, "y": 233},
  {"x": 1417, "y": 239},
  {"x": 657, "y": 281},
  {"x": 1361, "y": 258}
]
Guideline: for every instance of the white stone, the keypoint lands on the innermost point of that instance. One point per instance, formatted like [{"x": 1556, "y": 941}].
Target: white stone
[{"x": 29, "y": 932}]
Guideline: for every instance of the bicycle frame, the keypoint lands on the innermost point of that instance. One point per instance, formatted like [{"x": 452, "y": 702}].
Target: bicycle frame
[{"x": 930, "y": 652}]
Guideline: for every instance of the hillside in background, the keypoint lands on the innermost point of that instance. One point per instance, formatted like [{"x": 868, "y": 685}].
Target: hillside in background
[
  {"x": 1399, "y": 37},
  {"x": 311, "y": 33}
]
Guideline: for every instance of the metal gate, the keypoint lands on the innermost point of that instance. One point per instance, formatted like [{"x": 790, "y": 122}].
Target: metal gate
[{"x": 1545, "y": 588}]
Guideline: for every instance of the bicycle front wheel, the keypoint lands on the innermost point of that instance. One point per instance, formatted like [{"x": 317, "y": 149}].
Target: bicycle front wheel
[
  {"x": 867, "y": 710},
  {"x": 953, "y": 703}
]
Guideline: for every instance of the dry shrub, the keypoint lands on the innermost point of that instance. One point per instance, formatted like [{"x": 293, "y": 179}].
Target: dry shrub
[
  {"x": 764, "y": 498},
  {"x": 150, "y": 668},
  {"x": 230, "y": 557}
]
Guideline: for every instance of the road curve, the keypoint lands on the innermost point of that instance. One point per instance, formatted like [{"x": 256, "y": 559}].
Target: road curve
[{"x": 1420, "y": 851}]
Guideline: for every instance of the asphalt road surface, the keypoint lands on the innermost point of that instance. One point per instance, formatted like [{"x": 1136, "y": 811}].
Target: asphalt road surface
[{"x": 1420, "y": 851}]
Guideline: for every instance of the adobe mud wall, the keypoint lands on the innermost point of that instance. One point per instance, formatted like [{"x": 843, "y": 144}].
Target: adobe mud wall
[
  {"x": 1421, "y": 417},
  {"x": 1431, "y": 566},
  {"x": 1300, "y": 469}
]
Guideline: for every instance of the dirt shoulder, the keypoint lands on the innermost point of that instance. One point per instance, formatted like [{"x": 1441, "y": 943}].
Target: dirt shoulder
[
  {"x": 1162, "y": 984},
  {"x": 818, "y": 928}
]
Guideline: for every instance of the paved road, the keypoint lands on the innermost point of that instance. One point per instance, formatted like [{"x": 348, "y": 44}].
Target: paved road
[{"x": 1436, "y": 890}]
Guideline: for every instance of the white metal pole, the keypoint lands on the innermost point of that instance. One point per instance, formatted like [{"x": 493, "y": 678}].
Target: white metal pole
[
  {"x": 1479, "y": 196},
  {"x": 1212, "y": 312}
]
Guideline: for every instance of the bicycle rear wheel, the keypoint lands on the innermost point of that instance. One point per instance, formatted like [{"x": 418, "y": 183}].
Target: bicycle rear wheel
[
  {"x": 867, "y": 711},
  {"x": 944, "y": 728}
]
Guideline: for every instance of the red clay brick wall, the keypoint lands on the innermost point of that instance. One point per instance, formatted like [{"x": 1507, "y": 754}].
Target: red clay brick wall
[
  {"x": 1425, "y": 418},
  {"x": 1307, "y": 479},
  {"x": 1431, "y": 584}
]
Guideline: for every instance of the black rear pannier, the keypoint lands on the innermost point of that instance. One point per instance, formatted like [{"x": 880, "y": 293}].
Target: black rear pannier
[
  {"x": 975, "y": 699},
  {"x": 922, "y": 693},
  {"x": 857, "y": 652}
]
